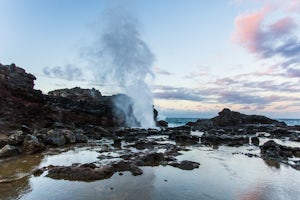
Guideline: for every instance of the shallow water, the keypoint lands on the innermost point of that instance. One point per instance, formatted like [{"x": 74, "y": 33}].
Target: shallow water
[{"x": 224, "y": 173}]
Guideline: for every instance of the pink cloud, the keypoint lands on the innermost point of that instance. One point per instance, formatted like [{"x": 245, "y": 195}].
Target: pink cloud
[
  {"x": 248, "y": 29},
  {"x": 282, "y": 26},
  {"x": 293, "y": 6}
]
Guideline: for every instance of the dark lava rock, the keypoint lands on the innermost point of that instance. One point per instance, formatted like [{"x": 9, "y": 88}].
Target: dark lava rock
[
  {"x": 223, "y": 139},
  {"x": 127, "y": 166},
  {"x": 231, "y": 118},
  {"x": 201, "y": 124},
  {"x": 16, "y": 137},
  {"x": 81, "y": 172},
  {"x": 255, "y": 141},
  {"x": 150, "y": 159},
  {"x": 186, "y": 165},
  {"x": 56, "y": 137},
  {"x": 186, "y": 139},
  {"x": 9, "y": 150},
  {"x": 69, "y": 135},
  {"x": 273, "y": 151},
  {"x": 32, "y": 145},
  {"x": 80, "y": 137},
  {"x": 162, "y": 123},
  {"x": 144, "y": 145}
]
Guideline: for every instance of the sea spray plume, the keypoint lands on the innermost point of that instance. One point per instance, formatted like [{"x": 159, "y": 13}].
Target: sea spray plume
[{"x": 125, "y": 59}]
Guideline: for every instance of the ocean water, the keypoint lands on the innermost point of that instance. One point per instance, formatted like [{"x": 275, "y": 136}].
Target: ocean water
[{"x": 173, "y": 121}]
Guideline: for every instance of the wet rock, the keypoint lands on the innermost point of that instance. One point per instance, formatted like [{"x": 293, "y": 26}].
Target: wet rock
[
  {"x": 56, "y": 137},
  {"x": 97, "y": 132},
  {"x": 273, "y": 151},
  {"x": 16, "y": 137},
  {"x": 144, "y": 145},
  {"x": 186, "y": 165},
  {"x": 150, "y": 159},
  {"x": 255, "y": 141},
  {"x": 81, "y": 172},
  {"x": 117, "y": 143},
  {"x": 32, "y": 145},
  {"x": 9, "y": 150},
  {"x": 223, "y": 139},
  {"x": 231, "y": 118},
  {"x": 3, "y": 143},
  {"x": 186, "y": 139},
  {"x": 26, "y": 129},
  {"x": 69, "y": 135},
  {"x": 127, "y": 166},
  {"x": 38, "y": 172},
  {"x": 201, "y": 124},
  {"x": 162, "y": 123},
  {"x": 80, "y": 137}
]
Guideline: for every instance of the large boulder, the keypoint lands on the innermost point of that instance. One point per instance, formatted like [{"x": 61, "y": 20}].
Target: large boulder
[
  {"x": 32, "y": 145},
  {"x": 9, "y": 150},
  {"x": 56, "y": 137},
  {"x": 231, "y": 118}
]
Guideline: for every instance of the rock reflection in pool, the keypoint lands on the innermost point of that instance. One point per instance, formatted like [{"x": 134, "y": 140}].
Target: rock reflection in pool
[
  {"x": 15, "y": 174},
  {"x": 222, "y": 175}
]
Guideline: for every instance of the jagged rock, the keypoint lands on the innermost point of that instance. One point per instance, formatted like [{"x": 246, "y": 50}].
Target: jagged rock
[
  {"x": 3, "y": 142},
  {"x": 85, "y": 172},
  {"x": 32, "y": 145},
  {"x": 16, "y": 137},
  {"x": 9, "y": 150},
  {"x": 201, "y": 124},
  {"x": 80, "y": 137},
  {"x": 231, "y": 118},
  {"x": 56, "y": 137},
  {"x": 162, "y": 123},
  {"x": 255, "y": 141},
  {"x": 69, "y": 135},
  {"x": 151, "y": 159},
  {"x": 223, "y": 139},
  {"x": 273, "y": 151},
  {"x": 77, "y": 94},
  {"x": 186, "y": 165},
  {"x": 122, "y": 166}
]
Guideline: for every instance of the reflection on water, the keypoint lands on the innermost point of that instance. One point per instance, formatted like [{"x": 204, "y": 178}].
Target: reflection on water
[
  {"x": 224, "y": 173},
  {"x": 15, "y": 174}
]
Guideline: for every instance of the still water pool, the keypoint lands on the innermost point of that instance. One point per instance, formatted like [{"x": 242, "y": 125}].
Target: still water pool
[{"x": 224, "y": 173}]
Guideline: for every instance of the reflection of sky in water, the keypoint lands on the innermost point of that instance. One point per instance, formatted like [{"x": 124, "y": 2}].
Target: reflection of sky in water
[{"x": 223, "y": 174}]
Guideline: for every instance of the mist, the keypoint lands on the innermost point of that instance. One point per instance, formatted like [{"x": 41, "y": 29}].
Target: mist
[{"x": 121, "y": 57}]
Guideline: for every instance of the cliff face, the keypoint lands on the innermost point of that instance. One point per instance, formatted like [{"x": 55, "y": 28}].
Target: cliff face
[{"x": 20, "y": 104}]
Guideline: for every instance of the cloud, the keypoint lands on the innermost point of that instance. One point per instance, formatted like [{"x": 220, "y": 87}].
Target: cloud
[
  {"x": 293, "y": 73},
  {"x": 242, "y": 98},
  {"x": 268, "y": 40},
  {"x": 158, "y": 70},
  {"x": 177, "y": 95},
  {"x": 68, "y": 72}
]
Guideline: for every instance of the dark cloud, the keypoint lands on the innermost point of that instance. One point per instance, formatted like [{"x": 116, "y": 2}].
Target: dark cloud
[
  {"x": 242, "y": 98},
  {"x": 68, "y": 72},
  {"x": 177, "y": 95},
  {"x": 293, "y": 73}
]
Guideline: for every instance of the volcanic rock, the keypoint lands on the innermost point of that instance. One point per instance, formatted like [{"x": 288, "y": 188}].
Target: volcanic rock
[
  {"x": 9, "y": 150},
  {"x": 231, "y": 118}
]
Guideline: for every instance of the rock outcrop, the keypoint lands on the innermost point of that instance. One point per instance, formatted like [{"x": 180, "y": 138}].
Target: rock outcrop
[
  {"x": 231, "y": 118},
  {"x": 21, "y": 104}
]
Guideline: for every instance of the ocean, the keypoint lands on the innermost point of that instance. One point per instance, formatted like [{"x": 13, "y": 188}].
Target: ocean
[{"x": 173, "y": 121}]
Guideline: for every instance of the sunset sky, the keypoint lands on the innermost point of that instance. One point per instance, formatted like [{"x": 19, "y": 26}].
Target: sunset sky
[{"x": 240, "y": 54}]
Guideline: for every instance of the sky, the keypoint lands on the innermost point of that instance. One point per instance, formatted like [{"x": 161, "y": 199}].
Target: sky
[{"x": 208, "y": 55}]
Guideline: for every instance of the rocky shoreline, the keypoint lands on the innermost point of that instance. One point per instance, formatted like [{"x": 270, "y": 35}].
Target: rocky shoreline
[{"x": 31, "y": 122}]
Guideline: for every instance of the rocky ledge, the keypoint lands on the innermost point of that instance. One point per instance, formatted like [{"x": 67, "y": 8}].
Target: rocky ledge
[{"x": 32, "y": 122}]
